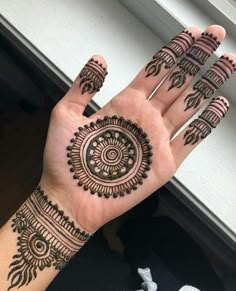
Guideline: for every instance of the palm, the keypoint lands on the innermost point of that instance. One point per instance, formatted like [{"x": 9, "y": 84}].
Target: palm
[
  {"x": 133, "y": 105},
  {"x": 65, "y": 122}
]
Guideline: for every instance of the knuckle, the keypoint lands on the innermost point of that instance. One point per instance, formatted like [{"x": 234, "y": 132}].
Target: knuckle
[{"x": 58, "y": 110}]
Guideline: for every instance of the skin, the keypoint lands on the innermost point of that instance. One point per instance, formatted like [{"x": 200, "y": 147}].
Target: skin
[{"x": 160, "y": 117}]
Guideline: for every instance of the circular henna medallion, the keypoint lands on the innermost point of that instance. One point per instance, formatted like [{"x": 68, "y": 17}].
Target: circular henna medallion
[{"x": 110, "y": 157}]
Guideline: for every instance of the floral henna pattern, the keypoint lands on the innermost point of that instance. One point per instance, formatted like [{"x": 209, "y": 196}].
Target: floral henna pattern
[
  {"x": 110, "y": 157},
  {"x": 194, "y": 59},
  {"x": 168, "y": 54},
  {"x": 92, "y": 77},
  {"x": 46, "y": 239},
  {"x": 212, "y": 80},
  {"x": 201, "y": 127}
]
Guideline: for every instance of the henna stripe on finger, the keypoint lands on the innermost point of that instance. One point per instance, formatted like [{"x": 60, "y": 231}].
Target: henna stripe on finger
[
  {"x": 201, "y": 127},
  {"x": 212, "y": 80},
  {"x": 46, "y": 239},
  {"x": 194, "y": 59},
  {"x": 110, "y": 157},
  {"x": 168, "y": 54},
  {"x": 92, "y": 76}
]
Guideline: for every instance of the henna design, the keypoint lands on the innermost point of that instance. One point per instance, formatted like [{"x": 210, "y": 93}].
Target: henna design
[
  {"x": 212, "y": 80},
  {"x": 194, "y": 59},
  {"x": 110, "y": 157},
  {"x": 46, "y": 239},
  {"x": 92, "y": 76},
  {"x": 201, "y": 127},
  {"x": 168, "y": 54}
]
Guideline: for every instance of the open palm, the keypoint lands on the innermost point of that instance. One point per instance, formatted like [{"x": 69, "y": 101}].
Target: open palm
[{"x": 157, "y": 119}]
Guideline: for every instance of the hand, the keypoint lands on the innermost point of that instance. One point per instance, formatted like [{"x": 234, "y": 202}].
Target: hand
[{"x": 112, "y": 158}]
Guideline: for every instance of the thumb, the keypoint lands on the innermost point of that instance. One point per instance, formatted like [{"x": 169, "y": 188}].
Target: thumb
[{"x": 88, "y": 82}]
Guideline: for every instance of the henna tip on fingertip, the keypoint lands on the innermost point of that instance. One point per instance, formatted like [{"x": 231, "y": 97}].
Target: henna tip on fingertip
[
  {"x": 193, "y": 31},
  {"x": 222, "y": 102},
  {"x": 100, "y": 61},
  {"x": 231, "y": 57},
  {"x": 217, "y": 31}
]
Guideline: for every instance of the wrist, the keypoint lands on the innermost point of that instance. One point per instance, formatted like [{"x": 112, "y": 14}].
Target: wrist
[
  {"x": 53, "y": 230},
  {"x": 46, "y": 240},
  {"x": 80, "y": 211}
]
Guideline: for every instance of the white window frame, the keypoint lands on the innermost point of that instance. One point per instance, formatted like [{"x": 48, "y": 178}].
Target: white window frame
[{"x": 225, "y": 8}]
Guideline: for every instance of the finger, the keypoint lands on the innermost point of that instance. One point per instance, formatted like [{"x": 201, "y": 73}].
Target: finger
[
  {"x": 192, "y": 100},
  {"x": 180, "y": 78},
  {"x": 164, "y": 60},
  {"x": 198, "y": 129},
  {"x": 88, "y": 82}
]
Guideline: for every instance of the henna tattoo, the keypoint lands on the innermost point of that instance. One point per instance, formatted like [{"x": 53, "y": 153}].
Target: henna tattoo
[
  {"x": 194, "y": 59},
  {"x": 212, "y": 80},
  {"x": 110, "y": 157},
  {"x": 168, "y": 54},
  {"x": 201, "y": 127},
  {"x": 92, "y": 76},
  {"x": 46, "y": 239}
]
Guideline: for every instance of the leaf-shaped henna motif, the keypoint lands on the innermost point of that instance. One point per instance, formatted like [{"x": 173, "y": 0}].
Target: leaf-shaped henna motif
[
  {"x": 167, "y": 55},
  {"x": 201, "y": 127}
]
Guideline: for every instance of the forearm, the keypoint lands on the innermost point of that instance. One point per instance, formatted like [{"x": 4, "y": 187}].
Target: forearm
[{"x": 36, "y": 243}]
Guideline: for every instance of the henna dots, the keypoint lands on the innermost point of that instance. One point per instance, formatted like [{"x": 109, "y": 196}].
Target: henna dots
[
  {"x": 110, "y": 157},
  {"x": 201, "y": 127}
]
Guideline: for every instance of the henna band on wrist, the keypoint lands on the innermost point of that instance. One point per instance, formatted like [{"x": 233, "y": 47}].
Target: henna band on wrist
[{"x": 47, "y": 238}]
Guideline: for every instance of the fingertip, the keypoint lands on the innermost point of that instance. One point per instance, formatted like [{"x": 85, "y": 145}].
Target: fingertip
[
  {"x": 222, "y": 103},
  {"x": 98, "y": 59},
  {"x": 217, "y": 31},
  {"x": 231, "y": 58},
  {"x": 195, "y": 31}
]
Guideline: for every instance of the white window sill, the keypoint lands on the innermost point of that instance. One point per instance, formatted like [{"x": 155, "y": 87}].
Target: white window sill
[{"x": 65, "y": 36}]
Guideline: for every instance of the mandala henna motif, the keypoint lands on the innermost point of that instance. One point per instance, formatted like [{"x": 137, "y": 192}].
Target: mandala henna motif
[
  {"x": 46, "y": 239},
  {"x": 110, "y": 157},
  {"x": 194, "y": 59},
  {"x": 201, "y": 127},
  {"x": 92, "y": 77},
  {"x": 168, "y": 54},
  {"x": 212, "y": 80}
]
